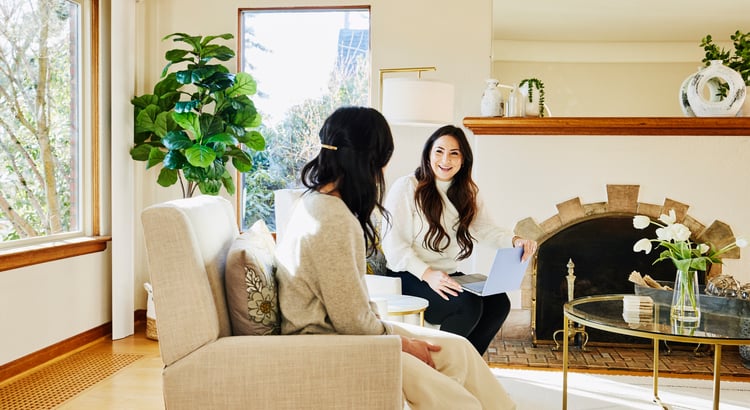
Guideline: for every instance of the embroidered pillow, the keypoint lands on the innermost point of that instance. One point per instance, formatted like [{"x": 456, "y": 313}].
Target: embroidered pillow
[{"x": 250, "y": 284}]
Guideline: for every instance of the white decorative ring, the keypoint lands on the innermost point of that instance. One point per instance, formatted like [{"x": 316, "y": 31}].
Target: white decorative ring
[{"x": 727, "y": 107}]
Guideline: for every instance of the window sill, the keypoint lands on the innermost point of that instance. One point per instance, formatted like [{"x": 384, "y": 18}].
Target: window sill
[{"x": 32, "y": 255}]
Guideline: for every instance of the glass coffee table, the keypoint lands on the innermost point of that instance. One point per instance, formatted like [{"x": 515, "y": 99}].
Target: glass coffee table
[{"x": 605, "y": 312}]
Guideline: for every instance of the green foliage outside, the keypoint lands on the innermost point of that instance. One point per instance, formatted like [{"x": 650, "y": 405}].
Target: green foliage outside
[
  {"x": 39, "y": 123},
  {"x": 295, "y": 141}
]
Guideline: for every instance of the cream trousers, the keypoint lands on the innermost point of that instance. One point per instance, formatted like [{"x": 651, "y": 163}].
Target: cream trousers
[{"x": 460, "y": 380}]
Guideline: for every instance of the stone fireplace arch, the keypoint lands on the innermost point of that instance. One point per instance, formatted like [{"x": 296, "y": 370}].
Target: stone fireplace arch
[{"x": 622, "y": 202}]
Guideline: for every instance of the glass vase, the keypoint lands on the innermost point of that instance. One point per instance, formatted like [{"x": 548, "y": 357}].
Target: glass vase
[{"x": 686, "y": 308}]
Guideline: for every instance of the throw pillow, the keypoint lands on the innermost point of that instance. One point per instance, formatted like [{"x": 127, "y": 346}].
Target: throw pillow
[{"x": 250, "y": 284}]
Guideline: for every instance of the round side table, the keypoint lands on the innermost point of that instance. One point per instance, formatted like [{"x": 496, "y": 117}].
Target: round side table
[{"x": 402, "y": 305}]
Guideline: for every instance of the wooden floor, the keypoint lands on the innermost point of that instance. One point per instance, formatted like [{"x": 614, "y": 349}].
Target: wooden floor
[
  {"x": 131, "y": 382},
  {"x": 123, "y": 374}
]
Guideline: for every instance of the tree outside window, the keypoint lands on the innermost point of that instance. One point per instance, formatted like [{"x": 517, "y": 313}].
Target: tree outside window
[
  {"x": 40, "y": 126},
  {"x": 307, "y": 63}
]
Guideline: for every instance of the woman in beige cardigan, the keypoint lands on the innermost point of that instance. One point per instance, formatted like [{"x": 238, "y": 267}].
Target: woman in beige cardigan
[{"x": 321, "y": 267}]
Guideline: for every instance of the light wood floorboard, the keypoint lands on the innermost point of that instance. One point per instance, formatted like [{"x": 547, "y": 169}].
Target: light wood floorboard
[{"x": 136, "y": 387}]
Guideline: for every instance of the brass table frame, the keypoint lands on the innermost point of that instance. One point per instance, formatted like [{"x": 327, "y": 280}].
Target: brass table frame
[{"x": 569, "y": 314}]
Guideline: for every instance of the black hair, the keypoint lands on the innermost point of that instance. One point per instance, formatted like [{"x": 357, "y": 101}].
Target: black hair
[{"x": 363, "y": 146}]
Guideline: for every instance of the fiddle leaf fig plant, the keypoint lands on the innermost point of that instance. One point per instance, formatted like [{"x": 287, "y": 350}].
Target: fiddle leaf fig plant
[{"x": 198, "y": 118}]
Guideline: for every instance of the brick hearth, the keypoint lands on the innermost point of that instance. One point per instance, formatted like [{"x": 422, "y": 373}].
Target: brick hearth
[{"x": 680, "y": 361}]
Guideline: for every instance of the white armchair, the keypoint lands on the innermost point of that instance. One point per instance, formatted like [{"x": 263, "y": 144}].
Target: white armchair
[{"x": 206, "y": 367}]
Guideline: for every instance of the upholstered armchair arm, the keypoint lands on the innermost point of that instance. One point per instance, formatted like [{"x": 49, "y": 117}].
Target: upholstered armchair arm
[{"x": 289, "y": 372}]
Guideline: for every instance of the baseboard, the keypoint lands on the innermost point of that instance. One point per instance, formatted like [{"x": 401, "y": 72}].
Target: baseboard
[{"x": 62, "y": 348}]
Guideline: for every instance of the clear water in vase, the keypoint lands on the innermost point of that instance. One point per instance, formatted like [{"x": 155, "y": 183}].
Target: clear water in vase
[{"x": 685, "y": 306}]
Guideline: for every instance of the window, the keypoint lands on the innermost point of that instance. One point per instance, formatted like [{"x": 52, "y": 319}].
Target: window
[
  {"x": 307, "y": 63},
  {"x": 42, "y": 127}
]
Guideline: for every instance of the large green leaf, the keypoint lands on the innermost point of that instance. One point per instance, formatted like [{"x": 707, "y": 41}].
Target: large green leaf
[
  {"x": 163, "y": 123},
  {"x": 228, "y": 183},
  {"x": 216, "y": 82},
  {"x": 167, "y": 177},
  {"x": 190, "y": 122},
  {"x": 155, "y": 157},
  {"x": 216, "y": 51},
  {"x": 146, "y": 119},
  {"x": 177, "y": 140},
  {"x": 144, "y": 101},
  {"x": 242, "y": 161},
  {"x": 211, "y": 125},
  {"x": 187, "y": 106},
  {"x": 197, "y": 75},
  {"x": 200, "y": 155},
  {"x": 223, "y": 138},
  {"x": 174, "y": 160},
  {"x": 167, "y": 85},
  {"x": 244, "y": 84},
  {"x": 208, "y": 39},
  {"x": 210, "y": 186},
  {"x": 140, "y": 152},
  {"x": 254, "y": 140}
]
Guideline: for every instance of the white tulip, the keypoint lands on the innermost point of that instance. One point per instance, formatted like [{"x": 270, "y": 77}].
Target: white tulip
[
  {"x": 668, "y": 219},
  {"x": 642, "y": 245},
  {"x": 741, "y": 242},
  {"x": 679, "y": 232},
  {"x": 703, "y": 248},
  {"x": 641, "y": 221}
]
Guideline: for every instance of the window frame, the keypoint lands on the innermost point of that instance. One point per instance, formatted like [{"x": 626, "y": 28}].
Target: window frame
[{"x": 87, "y": 237}]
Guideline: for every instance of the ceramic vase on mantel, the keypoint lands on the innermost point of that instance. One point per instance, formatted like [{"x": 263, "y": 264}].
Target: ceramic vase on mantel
[
  {"x": 686, "y": 309},
  {"x": 693, "y": 100},
  {"x": 492, "y": 100}
]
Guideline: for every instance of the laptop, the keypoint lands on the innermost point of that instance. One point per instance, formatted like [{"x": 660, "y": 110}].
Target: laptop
[{"x": 506, "y": 274}]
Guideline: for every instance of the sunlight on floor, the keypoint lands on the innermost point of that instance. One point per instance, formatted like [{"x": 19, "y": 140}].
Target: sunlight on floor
[{"x": 543, "y": 390}]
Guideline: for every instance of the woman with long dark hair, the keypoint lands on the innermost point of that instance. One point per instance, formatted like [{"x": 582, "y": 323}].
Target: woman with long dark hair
[
  {"x": 436, "y": 218},
  {"x": 321, "y": 263}
]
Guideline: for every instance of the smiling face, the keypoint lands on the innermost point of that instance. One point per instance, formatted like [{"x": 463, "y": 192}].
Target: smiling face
[{"x": 445, "y": 158}]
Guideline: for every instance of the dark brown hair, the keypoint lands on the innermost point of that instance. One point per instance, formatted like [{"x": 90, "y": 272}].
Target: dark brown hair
[
  {"x": 462, "y": 194},
  {"x": 363, "y": 146}
]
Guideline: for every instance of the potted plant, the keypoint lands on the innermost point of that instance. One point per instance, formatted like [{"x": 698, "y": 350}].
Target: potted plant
[
  {"x": 526, "y": 87},
  {"x": 737, "y": 59},
  {"x": 198, "y": 118}
]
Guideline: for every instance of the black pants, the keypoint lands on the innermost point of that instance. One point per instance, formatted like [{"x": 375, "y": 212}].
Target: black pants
[{"x": 477, "y": 318}]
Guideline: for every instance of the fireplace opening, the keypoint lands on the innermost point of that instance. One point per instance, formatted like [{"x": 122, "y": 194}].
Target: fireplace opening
[{"x": 601, "y": 250}]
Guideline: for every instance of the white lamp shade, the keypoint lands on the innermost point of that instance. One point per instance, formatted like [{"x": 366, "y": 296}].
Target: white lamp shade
[{"x": 417, "y": 102}]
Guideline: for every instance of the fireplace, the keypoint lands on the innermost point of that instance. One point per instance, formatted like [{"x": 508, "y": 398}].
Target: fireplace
[{"x": 597, "y": 238}]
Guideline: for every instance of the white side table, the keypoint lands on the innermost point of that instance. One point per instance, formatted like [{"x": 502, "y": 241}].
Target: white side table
[{"x": 403, "y": 305}]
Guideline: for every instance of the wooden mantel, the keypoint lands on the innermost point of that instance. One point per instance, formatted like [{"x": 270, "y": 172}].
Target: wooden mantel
[{"x": 603, "y": 126}]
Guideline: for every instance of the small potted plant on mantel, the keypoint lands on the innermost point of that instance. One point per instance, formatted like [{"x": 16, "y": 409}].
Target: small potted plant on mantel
[
  {"x": 737, "y": 59},
  {"x": 526, "y": 87},
  {"x": 198, "y": 119}
]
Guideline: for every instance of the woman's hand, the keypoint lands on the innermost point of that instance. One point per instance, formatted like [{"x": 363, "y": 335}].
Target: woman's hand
[
  {"x": 419, "y": 349},
  {"x": 441, "y": 283},
  {"x": 529, "y": 247}
]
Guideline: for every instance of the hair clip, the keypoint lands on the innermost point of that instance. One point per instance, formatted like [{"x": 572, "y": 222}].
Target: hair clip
[{"x": 331, "y": 147}]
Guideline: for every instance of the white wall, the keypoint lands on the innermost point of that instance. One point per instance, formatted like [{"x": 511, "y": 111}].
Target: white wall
[{"x": 44, "y": 304}]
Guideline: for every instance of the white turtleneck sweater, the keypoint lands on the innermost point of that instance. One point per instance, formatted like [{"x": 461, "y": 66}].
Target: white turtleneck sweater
[{"x": 402, "y": 241}]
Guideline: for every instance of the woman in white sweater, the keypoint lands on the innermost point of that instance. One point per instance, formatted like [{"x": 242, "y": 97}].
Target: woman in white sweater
[
  {"x": 436, "y": 217},
  {"x": 321, "y": 266}
]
